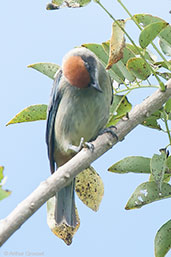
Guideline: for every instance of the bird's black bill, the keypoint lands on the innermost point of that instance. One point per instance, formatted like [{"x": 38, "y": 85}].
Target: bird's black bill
[{"x": 96, "y": 86}]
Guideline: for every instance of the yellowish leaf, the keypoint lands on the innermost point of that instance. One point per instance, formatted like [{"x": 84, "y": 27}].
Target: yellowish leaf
[
  {"x": 89, "y": 188},
  {"x": 117, "y": 43}
]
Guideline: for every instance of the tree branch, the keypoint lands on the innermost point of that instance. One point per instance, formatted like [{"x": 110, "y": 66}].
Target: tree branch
[{"x": 81, "y": 161}]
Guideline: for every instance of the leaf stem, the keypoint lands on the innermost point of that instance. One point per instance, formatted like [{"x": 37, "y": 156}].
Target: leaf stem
[
  {"x": 135, "y": 87},
  {"x": 166, "y": 125}
]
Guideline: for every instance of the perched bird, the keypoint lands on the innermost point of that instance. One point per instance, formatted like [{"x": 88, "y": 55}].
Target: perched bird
[{"x": 79, "y": 108}]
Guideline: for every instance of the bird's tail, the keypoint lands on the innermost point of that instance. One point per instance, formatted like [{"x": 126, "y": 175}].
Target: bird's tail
[{"x": 65, "y": 206}]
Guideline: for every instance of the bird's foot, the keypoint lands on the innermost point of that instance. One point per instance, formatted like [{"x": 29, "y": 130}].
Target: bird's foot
[
  {"x": 75, "y": 148},
  {"x": 109, "y": 130},
  {"x": 82, "y": 144}
]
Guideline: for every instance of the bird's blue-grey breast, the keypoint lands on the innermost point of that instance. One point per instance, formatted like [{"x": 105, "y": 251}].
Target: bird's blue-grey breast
[{"x": 75, "y": 111}]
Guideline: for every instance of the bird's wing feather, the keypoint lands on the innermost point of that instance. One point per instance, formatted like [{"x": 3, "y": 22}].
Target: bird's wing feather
[{"x": 55, "y": 99}]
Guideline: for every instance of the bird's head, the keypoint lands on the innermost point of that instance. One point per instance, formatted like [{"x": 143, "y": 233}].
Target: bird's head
[{"x": 80, "y": 68}]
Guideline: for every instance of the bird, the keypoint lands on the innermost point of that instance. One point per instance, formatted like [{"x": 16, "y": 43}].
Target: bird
[{"x": 78, "y": 111}]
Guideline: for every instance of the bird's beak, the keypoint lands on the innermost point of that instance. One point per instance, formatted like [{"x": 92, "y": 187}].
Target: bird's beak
[{"x": 96, "y": 86}]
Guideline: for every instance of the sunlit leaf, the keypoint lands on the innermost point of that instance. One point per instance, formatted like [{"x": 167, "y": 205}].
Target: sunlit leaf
[
  {"x": 120, "y": 107},
  {"x": 162, "y": 243},
  {"x": 158, "y": 167},
  {"x": 31, "y": 113},
  {"x": 89, "y": 188},
  {"x": 117, "y": 43},
  {"x": 48, "y": 69},
  {"x": 150, "y": 32},
  {"x": 63, "y": 231},
  {"x": 146, "y": 193},
  {"x": 139, "y": 68},
  {"x": 135, "y": 164}
]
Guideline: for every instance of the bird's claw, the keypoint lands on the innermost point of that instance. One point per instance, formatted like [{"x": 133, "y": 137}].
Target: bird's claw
[
  {"x": 109, "y": 130},
  {"x": 89, "y": 145}
]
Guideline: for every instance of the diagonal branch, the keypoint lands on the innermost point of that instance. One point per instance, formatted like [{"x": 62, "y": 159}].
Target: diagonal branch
[{"x": 81, "y": 161}]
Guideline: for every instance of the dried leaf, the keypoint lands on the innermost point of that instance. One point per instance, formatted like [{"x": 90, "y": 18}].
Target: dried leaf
[{"x": 117, "y": 43}]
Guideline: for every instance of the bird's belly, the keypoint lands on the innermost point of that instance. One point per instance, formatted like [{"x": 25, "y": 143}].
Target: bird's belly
[{"x": 75, "y": 120}]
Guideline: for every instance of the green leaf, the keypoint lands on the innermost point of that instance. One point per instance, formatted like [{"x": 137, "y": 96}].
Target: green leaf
[
  {"x": 165, "y": 47},
  {"x": 158, "y": 167},
  {"x": 165, "y": 35},
  {"x": 120, "y": 107},
  {"x": 139, "y": 68},
  {"x": 89, "y": 188},
  {"x": 150, "y": 32},
  {"x": 151, "y": 121},
  {"x": 146, "y": 193},
  {"x": 146, "y": 19},
  {"x": 135, "y": 164},
  {"x": 167, "y": 106},
  {"x": 48, "y": 69},
  {"x": 31, "y": 113},
  {"x": 162, "y": 243},
  {"x": 62, "y": 231},
  {"x": 166, "y": 178}
]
